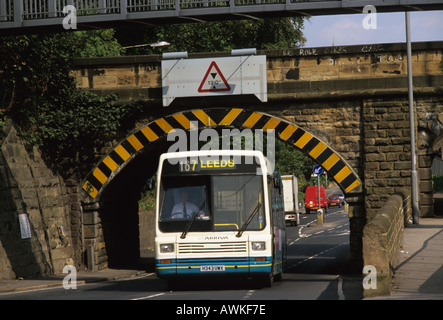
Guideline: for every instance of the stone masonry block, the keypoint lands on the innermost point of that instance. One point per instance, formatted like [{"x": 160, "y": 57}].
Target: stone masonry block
[{"x": 354, "y": 71}]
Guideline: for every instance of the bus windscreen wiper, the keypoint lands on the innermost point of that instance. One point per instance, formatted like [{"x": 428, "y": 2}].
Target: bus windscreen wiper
[
  {"x": 247, "y": 222},
  {"x": 194, "y": 215}
]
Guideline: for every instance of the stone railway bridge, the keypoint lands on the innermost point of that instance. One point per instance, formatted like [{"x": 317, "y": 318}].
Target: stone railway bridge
[{"x": 345, "y": 107}]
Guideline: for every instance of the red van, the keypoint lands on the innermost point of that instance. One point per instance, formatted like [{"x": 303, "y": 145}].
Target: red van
[{"x": 311, "y": 199}]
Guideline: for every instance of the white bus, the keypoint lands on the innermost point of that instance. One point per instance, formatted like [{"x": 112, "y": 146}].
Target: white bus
[{"x": 219, "y": 213}]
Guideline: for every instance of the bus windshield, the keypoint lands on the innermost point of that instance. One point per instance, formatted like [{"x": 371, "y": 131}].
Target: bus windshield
[
  {"x": 217, "y": 203},
  {"x": 234, "y": 199}
]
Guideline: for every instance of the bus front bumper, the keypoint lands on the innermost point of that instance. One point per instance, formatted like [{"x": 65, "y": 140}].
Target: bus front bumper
[{"x": 248, "y": 267}]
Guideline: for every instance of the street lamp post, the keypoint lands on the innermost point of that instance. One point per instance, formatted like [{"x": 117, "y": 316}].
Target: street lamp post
[{"x": 414, "y": 179}]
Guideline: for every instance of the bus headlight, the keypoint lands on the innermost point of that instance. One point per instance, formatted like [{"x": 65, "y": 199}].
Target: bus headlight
[
  {"x": 258, "y": 246},
  {"x": 167, "y": 248}
]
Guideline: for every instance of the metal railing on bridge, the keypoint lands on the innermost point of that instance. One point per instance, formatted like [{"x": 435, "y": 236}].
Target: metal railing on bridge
[
  {"x": 32, "y": 13},
  {"x": 41, "y": 9}
]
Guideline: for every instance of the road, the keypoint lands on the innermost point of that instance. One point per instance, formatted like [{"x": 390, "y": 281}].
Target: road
[{"x": 317, "y": 256}]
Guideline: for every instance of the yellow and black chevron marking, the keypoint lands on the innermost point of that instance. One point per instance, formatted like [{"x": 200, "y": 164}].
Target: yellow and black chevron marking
[{"x": 239, "y": 118}]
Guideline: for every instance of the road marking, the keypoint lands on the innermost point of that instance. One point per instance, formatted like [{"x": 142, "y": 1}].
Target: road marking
[
  {"x": 248, "y": 295},
  {"x": 316, "y": 255},
  {"x": 332, "y": 229},
  {"x": 135, "y": 277},
  {"x": 149, "y": 297},
  {"x": 341, "y": 295}
]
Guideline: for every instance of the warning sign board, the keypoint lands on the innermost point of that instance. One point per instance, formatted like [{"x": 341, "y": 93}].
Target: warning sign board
[
  {"x": 234, "y": 75},
  {"x": 214, "y": 80}
]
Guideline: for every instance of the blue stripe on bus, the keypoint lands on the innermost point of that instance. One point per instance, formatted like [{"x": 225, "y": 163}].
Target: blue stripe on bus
[{"x": 232, "y": 265}]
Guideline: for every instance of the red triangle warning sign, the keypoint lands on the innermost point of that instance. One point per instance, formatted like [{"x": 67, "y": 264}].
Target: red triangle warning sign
[{"x": 214, "y": 81}]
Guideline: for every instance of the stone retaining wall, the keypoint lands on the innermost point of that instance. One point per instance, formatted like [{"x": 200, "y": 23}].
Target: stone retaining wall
[
  {"x": 29, "y": 187},
  {"x": 381, "y": 240}
]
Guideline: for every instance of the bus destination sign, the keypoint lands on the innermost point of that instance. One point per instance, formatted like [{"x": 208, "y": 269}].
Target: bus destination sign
[{"x": 214, "y": 165}]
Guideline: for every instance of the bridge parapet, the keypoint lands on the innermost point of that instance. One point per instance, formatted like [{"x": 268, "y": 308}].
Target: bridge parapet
[
  {"x": 291, "y": 73},
  {"x": 382, "y": 237}
]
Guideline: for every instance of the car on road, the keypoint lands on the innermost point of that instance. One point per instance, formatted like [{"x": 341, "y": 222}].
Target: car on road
[{"x": 335, "y": 200}]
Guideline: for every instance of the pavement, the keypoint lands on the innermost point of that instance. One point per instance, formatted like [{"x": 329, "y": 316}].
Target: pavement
[
  {"x": 419, "y": 271},
  {"x": 418, "y": 275},
  {"x": 83, "y": 277}
]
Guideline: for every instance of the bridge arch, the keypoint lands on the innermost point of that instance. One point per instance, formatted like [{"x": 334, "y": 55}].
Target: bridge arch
[{"x": 320, "y": 152}]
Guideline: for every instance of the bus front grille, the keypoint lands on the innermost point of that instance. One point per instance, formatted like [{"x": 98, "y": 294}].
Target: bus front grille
[{"x": 212, "y": 247}]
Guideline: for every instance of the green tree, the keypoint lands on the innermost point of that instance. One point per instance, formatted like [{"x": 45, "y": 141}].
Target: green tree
[
  {"x": 272, "y": 33},
  {"x": 97, "y": 43},
  {"x": 39, "y": 94},
  {"x": 291, "y": 161}
]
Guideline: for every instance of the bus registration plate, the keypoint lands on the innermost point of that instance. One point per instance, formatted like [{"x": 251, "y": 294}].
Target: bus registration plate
[{"x": 212, "y": 268}]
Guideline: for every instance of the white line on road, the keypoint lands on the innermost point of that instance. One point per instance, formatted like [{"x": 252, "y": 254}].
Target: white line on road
[
  {"x": 248, "y": 295},
  {"x": 316, "y": 255},
  {"x": 149, "y": 297}
]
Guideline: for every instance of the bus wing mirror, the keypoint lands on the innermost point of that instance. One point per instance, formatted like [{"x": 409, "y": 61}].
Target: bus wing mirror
[
  {"x": 277, "y": 182},
  {"x": 150, "y": 184}
]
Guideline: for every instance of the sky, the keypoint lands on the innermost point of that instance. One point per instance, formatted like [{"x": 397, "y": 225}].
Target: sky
[{"x": 339, "y": 30}]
